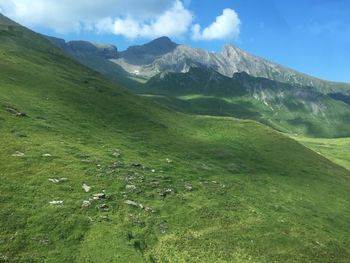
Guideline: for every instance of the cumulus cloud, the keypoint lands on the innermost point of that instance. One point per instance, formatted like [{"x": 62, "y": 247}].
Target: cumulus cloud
[
  {"x": 225, "y": 26},
  {"x": 173, "y": 22},
  {"x": 131, "y": 18},
  {"x": 66, "y": 16}
]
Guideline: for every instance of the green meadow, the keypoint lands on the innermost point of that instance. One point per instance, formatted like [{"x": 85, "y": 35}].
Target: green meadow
[{"x": 92, "y": 173}]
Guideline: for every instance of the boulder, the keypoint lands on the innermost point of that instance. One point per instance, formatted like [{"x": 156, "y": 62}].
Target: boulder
[
  {"x": 56, "y": 202},
  {"x": 57, "y": 180},
  {"x": 86, "y": 203},
  {"x": 129, "y": 202},
  {"x": 18, "y": 154},
  {"x": 188, "y": 187},
  {"x": 99, "y": 196},
  {"x": 103, "y": 207},
  {"x": 86, "y": 188}
]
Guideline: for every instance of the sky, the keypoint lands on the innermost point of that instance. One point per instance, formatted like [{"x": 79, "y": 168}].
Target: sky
[{"x": 311, "y": 36}]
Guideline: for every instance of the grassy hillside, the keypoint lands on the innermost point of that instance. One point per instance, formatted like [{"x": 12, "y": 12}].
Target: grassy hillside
[
  {"x": 285, "y": 107},
  {"x": 337, "y": 150},
  {"x": 211, "y": 189}
]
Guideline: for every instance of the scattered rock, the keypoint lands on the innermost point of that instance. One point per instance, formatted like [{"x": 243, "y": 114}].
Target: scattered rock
[
  {"x": 99, "y": 196},
  {"x": 136, "y": 165},
  {"x": 130, "y": 187},
  {"x": 169, "y": 190},
  {"x": 165, "y": 192},
  {"x": 86, "y": 188},
  {"x": 154, "y": 183},
  {"x": 18, "y": 154},
  {"x": 104, "y": 218},
  {"x": 86, "y": 203},
  {"x": 16, "y": 112},
  {"x": 163, "y": 228},
  {"x": 103, "y": 207},
  {"x": 168, "y": 160},
  {"x": 46, "y": 155},
  {"x": 148, "y": 209},
  {"x": 129, "y": 202},
  {"x": 57, "y": 202},
  {"x": 153, "y": 170},
  {"x": 57, "y": 180},
  {"x": 116, "y": 154},
  {"x": 188, "y": 187},
  {"x": 54, "y": 180}
]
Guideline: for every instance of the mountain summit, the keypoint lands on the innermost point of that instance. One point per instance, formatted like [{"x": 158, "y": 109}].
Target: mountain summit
[{"x": 147, "y": 53}]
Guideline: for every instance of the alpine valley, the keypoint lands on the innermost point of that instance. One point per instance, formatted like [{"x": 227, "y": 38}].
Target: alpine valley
[
  {"x": 231, "y": 83},
  {"x": 166, "y": 153}
]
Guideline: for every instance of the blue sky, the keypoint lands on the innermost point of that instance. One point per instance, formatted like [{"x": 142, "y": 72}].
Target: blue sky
[{"x": 312, "y": 36}]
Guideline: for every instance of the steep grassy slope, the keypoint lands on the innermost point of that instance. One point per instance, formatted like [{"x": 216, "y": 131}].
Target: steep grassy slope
[
  {"x": 285, "y": 107},
  {"x": 213, "y": 189},
  {"x": 96, "y": 57}
]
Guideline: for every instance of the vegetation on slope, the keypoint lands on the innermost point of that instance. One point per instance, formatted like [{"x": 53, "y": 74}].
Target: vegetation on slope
[
  {"x": 212, "y": 189},
  {"x": 285, "y": 107},
  {"x": 337, "y": 150}
]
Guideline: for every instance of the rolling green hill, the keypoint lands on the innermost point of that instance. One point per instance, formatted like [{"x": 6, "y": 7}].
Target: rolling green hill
[{"x": 92, "y": 173}]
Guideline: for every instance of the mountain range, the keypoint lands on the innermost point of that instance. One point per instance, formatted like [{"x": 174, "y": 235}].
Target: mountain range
[
  {"x": 229, "y": 83},
  {"x": 162, "y": 55}
]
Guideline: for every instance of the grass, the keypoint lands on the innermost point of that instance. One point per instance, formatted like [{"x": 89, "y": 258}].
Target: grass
[
  {"x": 337, "y": 150},
  {"x": 284, "y": 107},
  {"x": 257, "y": 195}
]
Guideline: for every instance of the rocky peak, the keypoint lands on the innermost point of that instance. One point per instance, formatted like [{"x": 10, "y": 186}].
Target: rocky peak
[
  {"x": 147, "y": 53},
  {"x": 229, "y": 51},
  {"x": 158, "y": 46}
]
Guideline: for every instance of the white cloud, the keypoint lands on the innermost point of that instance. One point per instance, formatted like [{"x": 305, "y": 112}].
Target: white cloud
[
  {"x": 173, "y": 22},
  {"x": 225, "y": 26},
  {"x": 128, "y": 18},
  {"x": 66, "y": 16}
]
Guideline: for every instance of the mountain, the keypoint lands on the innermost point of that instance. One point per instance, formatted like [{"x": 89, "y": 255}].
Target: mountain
[
  {"x": 162, "y": 55},
  {"x": 285, "y": 107},
  {"x": 284, "y": 99},
  {"x": 230, "y": 60},
  {"x": 93, "y": 173},
  {"x": 146, "y": 54},
  {"x": 97, "y": 57}
]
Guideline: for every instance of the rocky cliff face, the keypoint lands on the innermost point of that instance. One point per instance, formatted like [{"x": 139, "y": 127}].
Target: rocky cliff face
[
  {"x": 163, "y": 55},
  {"x": 180, "y": 58}
]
